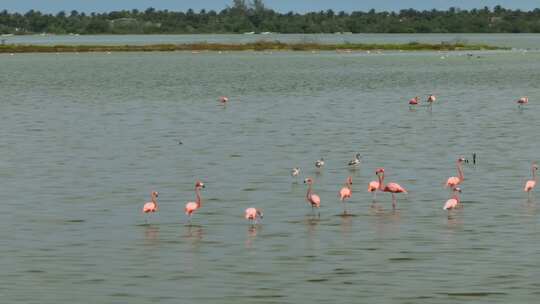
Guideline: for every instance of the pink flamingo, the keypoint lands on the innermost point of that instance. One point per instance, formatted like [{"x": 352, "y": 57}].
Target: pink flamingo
[
  {"x": 431, "y": 99},
  {"x": 223, "y": 99},
  {"x": 455, "y": 201},
  {"x": 253, "y": 214},
  {"x": 191, "y": 207},
  {"x": 414, "y": 101},
  {"x": 523, "y": 101},
  {"x": 346, "y": 193},
  {"x": 151, "y": 206},
  {"x": 530, "y": 184},
  {"x": 313, "y": 199},
  {"x": 454, "y": 181},
  {"x": 373, "y": 186},
  {"x": 390, "y": 187}
]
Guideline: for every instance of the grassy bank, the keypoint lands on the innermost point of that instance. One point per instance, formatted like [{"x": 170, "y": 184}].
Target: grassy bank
[{"x": 255, "y": 46}]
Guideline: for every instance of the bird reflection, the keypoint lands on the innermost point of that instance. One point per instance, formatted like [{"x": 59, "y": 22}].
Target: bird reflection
[
  {"x": 194, "y": 234},
  {"x": 151, "y": 235},
  {"x": 312, "y": 221},
  {"x": 252, "y": 232},
  {"x": 530, "y": 206},
  {"x": 346, "y": 225}
]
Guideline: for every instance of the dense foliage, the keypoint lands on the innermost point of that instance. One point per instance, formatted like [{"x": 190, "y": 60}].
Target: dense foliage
[{"x": 243, "y": 17}]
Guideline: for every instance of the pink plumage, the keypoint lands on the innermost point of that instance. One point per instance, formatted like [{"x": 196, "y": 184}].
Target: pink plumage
[
  {"x": 454, "y": 181},
  {"x": 311, "y": 197},
  {"x": 253, "y": 214},
  {"x": 315, "y": 200},
  {"x": 191, "y": 207},
  {"x": 151, "y": 206},
  {"x": 529, "y": 186},
  {"x": 346, "y": 191},
  {"x": 454, "y": 202},
  {"x": 523, "y": 100},
  {"x": 394, "y": 188},
  {"x": 450, "y": 204}
]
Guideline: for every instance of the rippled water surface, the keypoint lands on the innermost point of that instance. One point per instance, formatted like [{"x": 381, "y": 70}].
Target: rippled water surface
[{"x": 85, "y": 138}]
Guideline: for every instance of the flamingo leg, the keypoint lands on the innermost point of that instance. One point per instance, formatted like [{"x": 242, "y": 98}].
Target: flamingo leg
[{"x": 393, "y": 201}]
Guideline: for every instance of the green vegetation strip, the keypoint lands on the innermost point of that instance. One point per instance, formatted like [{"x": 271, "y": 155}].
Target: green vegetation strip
[{"x": 255, "y": 46}]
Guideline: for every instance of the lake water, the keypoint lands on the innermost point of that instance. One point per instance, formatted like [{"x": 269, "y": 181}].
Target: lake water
[
  {"x": 520, "y": 41},
  {"x": 86, "y": 137}
]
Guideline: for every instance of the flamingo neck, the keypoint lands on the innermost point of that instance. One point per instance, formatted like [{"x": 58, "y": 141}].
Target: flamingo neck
[
  {"x": 381, "y": 181},
  {"x": 535, "y": 178},
  {"x": 308, "y": 194},
  {"x": 154, "y": 200},
  {"x": 198, "y": 194},
  {"x": 460, "y": 171}
]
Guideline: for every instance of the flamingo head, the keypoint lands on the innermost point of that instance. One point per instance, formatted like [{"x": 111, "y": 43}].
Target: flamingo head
[
  {"x": 461, "y": 159},
  {"x": 379, "y": 170},
  {"x": 154, "y": 194},
  {"x": 349, "y": 180},
  {"x": 457, "y": 189},
  {"x": 308, "y": 181},
  {"x": 535, "y": 166},
  {"x": 199, "y": 185},
  {"x": 223, "y": 98}
]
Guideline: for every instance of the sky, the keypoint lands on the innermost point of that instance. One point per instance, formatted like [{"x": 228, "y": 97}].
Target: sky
[{"x": 53, "y": 6}]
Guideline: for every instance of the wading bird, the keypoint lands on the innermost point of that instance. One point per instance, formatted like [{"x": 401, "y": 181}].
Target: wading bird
[
  {"x": 253, "y": 214},
  {"x": 191, "y": 207},
  {"x": 390, "y": 187}
]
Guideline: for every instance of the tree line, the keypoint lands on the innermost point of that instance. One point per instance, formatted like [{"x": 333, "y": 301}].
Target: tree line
[{"x": 254, "y": 16}]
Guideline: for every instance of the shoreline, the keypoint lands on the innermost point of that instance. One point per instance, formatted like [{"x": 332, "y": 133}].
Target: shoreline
[{"x": 253, "y": 46}]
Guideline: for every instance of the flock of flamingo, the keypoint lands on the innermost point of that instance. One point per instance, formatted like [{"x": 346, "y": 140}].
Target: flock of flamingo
[{"x": 254, "y": 214}]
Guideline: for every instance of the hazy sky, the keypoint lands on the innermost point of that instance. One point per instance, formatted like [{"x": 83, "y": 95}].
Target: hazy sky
[{"x": 280, "y": 5}]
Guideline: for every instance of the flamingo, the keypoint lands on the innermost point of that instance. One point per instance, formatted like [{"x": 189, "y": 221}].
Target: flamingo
[
  {"x": 355, "y": 161},
  {"x": 454, "y": 181},
  {"x": 414, "y": 101},
  {"x": 455, "y": 201},
  {"x": 523, "y": 101},
  {"x": 151, "y": 206},
  {"x": 390, "y": 187},
  {"x": 319, "y": 163},
  {"x": 313, "y": 199},
  {"x": 191, "y": 207},
  {"x": 223, "y": 99},
  {"x": 346, "y": 193},
  {"x": 374, "y": 185},
  {"x": 253, "y": 214},
  {"x": 431, "y": 99},
  {"x": 530, "y": 184}
]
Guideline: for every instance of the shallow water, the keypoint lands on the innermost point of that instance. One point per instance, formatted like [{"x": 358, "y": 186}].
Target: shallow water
[
  {"x": 85, "y": 138},
  {"x": 520, "y": 41}
]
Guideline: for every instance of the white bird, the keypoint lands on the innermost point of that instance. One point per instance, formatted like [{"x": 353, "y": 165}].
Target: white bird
[
  {"x": 355, "y": 161},
  {"x": 319, "y": 163},
  {"x": 295, "y": 172}
]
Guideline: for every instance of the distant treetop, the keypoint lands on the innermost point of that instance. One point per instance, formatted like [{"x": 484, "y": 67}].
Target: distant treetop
[{"x": 253, "y": 16}]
